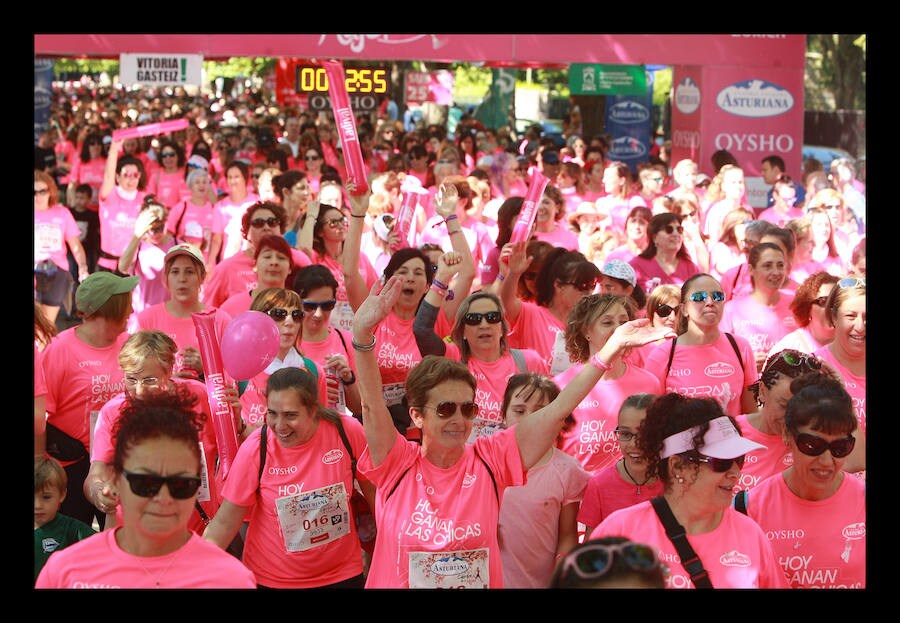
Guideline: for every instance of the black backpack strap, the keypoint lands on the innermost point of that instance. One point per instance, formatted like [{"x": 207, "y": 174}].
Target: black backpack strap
[
  {"x": 343, "y": 342},
  {"x": 262, "y": 451},
  {"x": 671, "y": 356},
  {"x": 740, "y": 501},
  {"x": 676, "y": 533},
  {"x": 491, "y": 474},
  {"x": 340, "y": 428},
  {"x": 736, "y": 349}
]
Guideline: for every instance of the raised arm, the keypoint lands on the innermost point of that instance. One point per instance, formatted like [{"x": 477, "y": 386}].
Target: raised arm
[
  {"x": 142, "y": 224},
  {"x": 537, "y": 432},
  {"x": 305, "y": 235},
  {"x": 429, "y": 342},
  {"x": 380, "y": 431},
  {"x": 513, "y": 253},
  {"x": 445, "y": 206},
  {"x": 109, "y": 173},
  {"x": 353, "y": 279}
]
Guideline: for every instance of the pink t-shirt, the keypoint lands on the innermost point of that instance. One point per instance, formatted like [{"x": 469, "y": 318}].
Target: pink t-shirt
[
  {"x": 80, "y": 379},
  {"x": 819, "y": 543},
  {"x": 623, "y": 253},
  {"x": 559, "y": 236},
  {"x": 182, "y": 330},
  {"x": 760, "y": 464},
  {"x": 90, "y": 173},
  {"x": 648, "y": 269},
  {"x": 342, "y": 316},
  {"x": 529, "y": 520},
  {"x": 491, "y": 266},
  {"x": 40, "y": 385},
  {"x": 150, "y": 267},
  {"x": 831, "y": 265},
  {"x": 227, "y": 217},
  {"x": 117, "y": 217},
  {"x": 236, "y": 275},
  {"x": 253, "y": 399},
  {"x": 99, "y": 562},
  {"x": 607, "y": 492},
  {"x": 103, "y": 448},
  {"x": 169, "y": 188},
  {"x": 52, "y": 228},
  {"x": 709, "y": 370},
  {"x": 397, "y": 353},
  {"x": 331, "y": 345},
  {"x": 538, "y": 329},
  {"x": 301, "y": 532},
  {"x": 778, "y": 218},
  {"x": 236, "y": 303},
  {"x": 760, "y": 324},
  {"x": 194, "y": 224},
  {"x": 736, "y": 554},
  {"x": 427, "y": 515},
  {"x": 855, "y": 385},
  {"x": 617, "y": 208},
  {"x": 722, "y": 258},
  {"x": 592, "y": 440},
  {"x": 715, "y": 216},
  {"x": 491, "y": 378}
]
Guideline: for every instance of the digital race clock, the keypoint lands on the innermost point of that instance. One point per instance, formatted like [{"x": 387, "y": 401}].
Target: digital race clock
[{"x": 358, "y": 81}]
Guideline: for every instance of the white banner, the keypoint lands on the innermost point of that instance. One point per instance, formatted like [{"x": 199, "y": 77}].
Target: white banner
[{"x": 161, "y": 69}]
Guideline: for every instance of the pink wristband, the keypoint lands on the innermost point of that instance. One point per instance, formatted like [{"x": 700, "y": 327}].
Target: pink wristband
[{"x": 599, "y": 363}]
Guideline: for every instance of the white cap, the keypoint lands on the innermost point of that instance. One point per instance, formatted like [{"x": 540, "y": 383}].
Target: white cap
[{"x": 721, "y": 441}]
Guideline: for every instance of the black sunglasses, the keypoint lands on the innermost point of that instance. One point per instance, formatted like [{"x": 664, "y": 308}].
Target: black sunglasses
[
  {"x": 721, "y": 465},
  {"x": 148, "y": 485},
  {"x": 811, "y": 445},
  {"x": 663, "y": 311},
  {"x": 279, "y": 314},
  {"x": 448, "y": 409},
  {"x": 671, "y": 229},
  {"x": 596, "y": 559},
  {"x": 473, "y": 319},
  {"x": 585, "y": 286},
  {"x": 168, "y": 154},
  {"x": 259, "y": 222},
  {"x": 311, "y": 306}
]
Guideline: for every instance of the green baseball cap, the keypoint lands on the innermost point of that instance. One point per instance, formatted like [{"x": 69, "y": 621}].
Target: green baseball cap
[{"x": 94, "y": 291}]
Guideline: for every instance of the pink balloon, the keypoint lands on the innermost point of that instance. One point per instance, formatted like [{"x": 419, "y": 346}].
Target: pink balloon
[{"x": 249, "y": 344}]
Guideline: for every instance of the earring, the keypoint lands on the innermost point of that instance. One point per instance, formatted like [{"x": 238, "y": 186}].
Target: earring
[{"x": 680, "y": 480}]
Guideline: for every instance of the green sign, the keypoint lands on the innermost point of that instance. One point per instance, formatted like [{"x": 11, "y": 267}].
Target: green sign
[{"x": 589, "y": 79}]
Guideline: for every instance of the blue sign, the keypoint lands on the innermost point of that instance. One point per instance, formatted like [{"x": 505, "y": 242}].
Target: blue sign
[
  {"x": 628, "y": 121},
  {"x": 43, "y": 90}
]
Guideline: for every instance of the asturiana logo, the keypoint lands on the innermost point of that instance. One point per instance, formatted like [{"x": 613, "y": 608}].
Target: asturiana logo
[
  {"x": 854, "y": 531},
  {"x": 449, "y": 565},
  {"x": 332, "y": 456},
  {"x": 719, "y": 369},
  {"x": 468, "y": 481},
  {"x": 734, "y": 559},
  {"x": 687, "y": 96},
  {"x": 629, "y": 112},
  {"x": 627, "y": 147},
  {"x": 755, "y": 98}
]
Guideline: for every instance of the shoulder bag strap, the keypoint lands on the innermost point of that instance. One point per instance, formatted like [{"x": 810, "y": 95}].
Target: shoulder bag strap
[
  {"x": 262, "y": 451},
  {"x": 340, "y": 428},
  {"x": 519, "y": 357},
  {"x": 675, "y": 532},
  {"x": 736, "y": 349},
  {"x": 740, "y": 501},
  {"x": 671, "y": 356}
]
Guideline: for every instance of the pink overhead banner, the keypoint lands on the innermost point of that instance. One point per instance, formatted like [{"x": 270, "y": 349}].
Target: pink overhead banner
[{"x": 753, "y": 50}]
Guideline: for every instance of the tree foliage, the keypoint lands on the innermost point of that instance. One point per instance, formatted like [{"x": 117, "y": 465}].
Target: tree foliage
[{"x": 835, "y": 72}]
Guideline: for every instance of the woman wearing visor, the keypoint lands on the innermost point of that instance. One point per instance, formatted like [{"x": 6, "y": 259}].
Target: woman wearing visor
[{"x": 697, "y": 452}]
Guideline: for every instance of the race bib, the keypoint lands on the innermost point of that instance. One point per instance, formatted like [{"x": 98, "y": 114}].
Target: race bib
[
  {"x": 460, "y": 569},
  {"x": 393, "y": 393},
  {"x": 313, "y": 518},
  {"x": 342, "y": 316}
]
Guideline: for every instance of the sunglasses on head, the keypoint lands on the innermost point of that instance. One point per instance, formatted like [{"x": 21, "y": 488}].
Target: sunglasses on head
[
  {"x": 279, "y": 314},
  {"x": 663, "y": 311},
  {"x": 474, "y": 318},
  {"x": 700, "y": 297},
  {"x": 312, "y": 306},
  {"x": 796, "y": 358},
  {"x": 259, "y": 222},
  {"x": 148, "y": 485},
  {"x": 596, "y": 559},
  {"x": 448, "y": 409},
  {"x": 812, "y": 445},
  {"x": 671, "y": 229},
  {"x": 851, "y": 282},
  {"x": 721, "y": 466}
]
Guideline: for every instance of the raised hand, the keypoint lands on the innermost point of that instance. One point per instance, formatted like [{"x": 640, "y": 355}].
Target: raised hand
[
  {"x": 639, "y": 332},
  {"x": 445, "y": 200},
  {"x": 513, "y": 255},
  {"x": 376, "y": 306}
]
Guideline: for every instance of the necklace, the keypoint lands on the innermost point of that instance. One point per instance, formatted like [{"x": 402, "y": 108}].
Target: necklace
[{"x": 638, "y": 484}]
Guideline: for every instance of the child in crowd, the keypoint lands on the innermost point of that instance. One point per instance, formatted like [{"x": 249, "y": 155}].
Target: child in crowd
[{"x": 52, "y": 530}]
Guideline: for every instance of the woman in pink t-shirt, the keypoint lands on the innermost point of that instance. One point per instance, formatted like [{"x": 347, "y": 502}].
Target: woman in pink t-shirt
[
  {"x": 625, "y": 482},
  {"x": 591, "y": 323},
  {"x": 191, "y": 220},
  {"x": 157, "y": 475},
  {"x": 813, "y": 511},
  {"x": 704, "y": 361},
  {"x": 550, "y": 224},
  {"x": 184, "y": 271},
  {"x": 564, "y": 279},
  {"x": 88, "y": 168},
  {"x": 764, "y": 315},
  {"x": 145, "y": 254},
  {"x": 168, "y": 181},
  {"x": 637, "y": 235},
  {"x": 121, "y": 197},
  {"x": 846, "y": 312},
  {"x": 226, "y": 238},
  {"x": 766, "y": 424},
  {"x": 302, "y": 532},
  {"x": 728, "y": 251},
  {"x": 55, "y": 230},
  {"x": 537, "y": 522},
  {"x": 697, "y": 452},
  {"x": 593, "y": 175},
  {"x": 439, "y": 502},
  {"x": 81, "y": 372},
  {"x": 273, "y": 264},
  {"x": 825, "y": 250},
  {"x": 616, "y": 203},
  {"x": 808, "y": 306},
  {"x": 666, "y": 259}
]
